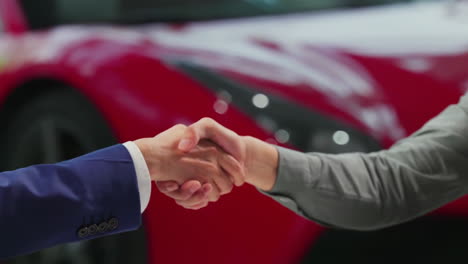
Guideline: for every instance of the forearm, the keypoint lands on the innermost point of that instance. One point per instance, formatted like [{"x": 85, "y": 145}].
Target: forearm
[
  {"x": 369, "y": 191},
  {"x": 364, "y": 192},
  {"x": 46, "y": 205}
]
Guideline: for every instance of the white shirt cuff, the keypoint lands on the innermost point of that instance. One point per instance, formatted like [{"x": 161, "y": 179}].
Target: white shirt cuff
[{"x": 142, "y": 173}]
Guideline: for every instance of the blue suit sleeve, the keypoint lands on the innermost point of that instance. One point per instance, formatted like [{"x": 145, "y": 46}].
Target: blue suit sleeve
[{"x": 83, "y": 198}]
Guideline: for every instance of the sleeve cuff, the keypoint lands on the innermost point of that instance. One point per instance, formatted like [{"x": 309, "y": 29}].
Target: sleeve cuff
[
  {"x": 293, "y": 172},
  {"x": 290, "y": 164},
  {"x": 142, "y": 173}
]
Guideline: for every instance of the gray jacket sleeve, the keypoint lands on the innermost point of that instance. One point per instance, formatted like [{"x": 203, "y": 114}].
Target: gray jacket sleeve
[{"x": 371, "y": 191}]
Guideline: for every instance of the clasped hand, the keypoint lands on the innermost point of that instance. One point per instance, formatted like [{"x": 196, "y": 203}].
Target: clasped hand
[{"x": 195, "y": 165}]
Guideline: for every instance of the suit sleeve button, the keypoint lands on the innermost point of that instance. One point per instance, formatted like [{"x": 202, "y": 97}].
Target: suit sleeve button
[
  {"x": 83, "y": 232},
  {"x": 113, "y": 224},
  {"x": 92, "y": 229},
  {"x": 102, "y": 227}
]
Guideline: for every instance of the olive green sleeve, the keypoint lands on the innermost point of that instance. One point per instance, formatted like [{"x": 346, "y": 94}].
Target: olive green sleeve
[{"x": 371, "y": 191}]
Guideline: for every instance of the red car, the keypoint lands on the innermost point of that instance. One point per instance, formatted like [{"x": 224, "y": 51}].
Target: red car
[{"x": 328, "y": 76}]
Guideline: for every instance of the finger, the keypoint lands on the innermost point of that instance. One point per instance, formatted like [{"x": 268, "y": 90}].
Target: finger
[
  {"x": 195, "y": 206},
  {"x": 233, "y": 168},
  {"x": 197, "y": 169},
  {"x": 201, "y": 196},
  {"x": 198, "y": 206},
  {"x": 202, "y": 157},
  {"x": 207, "y": 128},
  {"x": 206, "y": 153},
  {"x": 167, "y": 186},
  {"x": 223, "y": 182},
  {"x": 200, "y": 164},
  {"x": 214, "y": 194},
  {"x": 188, "y": 189},
  {"x": 189, "y": 139},
  {"x": 185, "y": 192},
  {"x": 204, "y": 171}
]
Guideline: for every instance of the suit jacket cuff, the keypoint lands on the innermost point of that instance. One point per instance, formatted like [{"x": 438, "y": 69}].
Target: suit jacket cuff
[{"x": 142, "y": 173}]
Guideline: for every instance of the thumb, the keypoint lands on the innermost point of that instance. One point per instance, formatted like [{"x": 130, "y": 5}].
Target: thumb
[
  {"x": 207, "y": 128},
  {"x": 189, "y": 139}
]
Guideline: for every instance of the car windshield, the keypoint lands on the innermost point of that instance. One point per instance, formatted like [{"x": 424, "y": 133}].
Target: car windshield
[{"x": 45, "y": 13}]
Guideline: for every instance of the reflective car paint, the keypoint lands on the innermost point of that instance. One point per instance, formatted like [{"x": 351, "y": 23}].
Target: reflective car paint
[
  {"x": 136, "y": 106},
  {"x": 375, "y": 80},
  {"x": 12, "y": 17}
]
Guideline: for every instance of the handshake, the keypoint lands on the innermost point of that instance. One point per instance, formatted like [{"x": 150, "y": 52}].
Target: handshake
[{"x": 197, "y": 164}]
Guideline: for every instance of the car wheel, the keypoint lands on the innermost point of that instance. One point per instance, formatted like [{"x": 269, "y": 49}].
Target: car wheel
[{"x": 56, "y": 126}]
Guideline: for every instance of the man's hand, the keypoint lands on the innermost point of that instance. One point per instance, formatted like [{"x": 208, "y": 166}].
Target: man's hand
[
  {"x": 228, "y": 140},
  {"x": 202, "y": 164},
  {"x": 258, "y": 160}
]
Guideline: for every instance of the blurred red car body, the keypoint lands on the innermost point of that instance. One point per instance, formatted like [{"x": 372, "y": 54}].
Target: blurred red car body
[{"x": 375, "y": 73}]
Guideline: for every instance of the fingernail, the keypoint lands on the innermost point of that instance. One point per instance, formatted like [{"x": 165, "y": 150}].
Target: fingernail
[{"x": 185, "y": 144}]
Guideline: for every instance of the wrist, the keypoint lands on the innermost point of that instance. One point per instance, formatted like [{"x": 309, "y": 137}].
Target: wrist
[
  {"x": 261, "y": 163},
  {"x": 152, "y": 160}
]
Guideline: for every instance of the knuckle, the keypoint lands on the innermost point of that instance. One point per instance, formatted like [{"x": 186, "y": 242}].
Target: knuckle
[
  {"x": 197, "y": 207},
  {"x": 208, "y": 122},
  {"x": 238, "y": 182},
  {"x": 186, "y": 204},
  {"x": 226, "y": 187},
  {"x": 181, "y": 203},
  {"x": 180, "y": 126},
  {"x": 229, "y": 188},
  {"x": 214, "y": 198}
]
